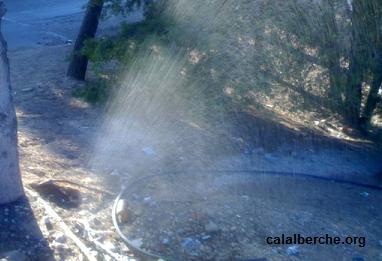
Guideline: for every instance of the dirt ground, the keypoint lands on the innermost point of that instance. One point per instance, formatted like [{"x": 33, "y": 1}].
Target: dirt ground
[{"x": 56, "y": 132}]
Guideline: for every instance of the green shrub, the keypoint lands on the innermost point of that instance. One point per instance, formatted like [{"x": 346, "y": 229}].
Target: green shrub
[{"x": 96, "y": 91}]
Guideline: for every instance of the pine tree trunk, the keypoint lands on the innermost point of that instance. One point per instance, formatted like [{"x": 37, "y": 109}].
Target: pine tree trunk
[
  {"x": 372, "y": 98},
  {"x": 79, "y": 63},
  {"x": 357, "y": 66},
  {"x": 10, "y": 180}
]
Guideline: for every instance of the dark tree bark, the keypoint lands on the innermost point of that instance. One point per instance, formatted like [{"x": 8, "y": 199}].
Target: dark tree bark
[
  {"x": 365, "y": 60},
  {"x": 372, "y": 98},
  {"x": 356, "y": 73},
  {"x": 10, "y": 179},
  {"x": 370, "y": 41},
  {"x": 79, "y": 63}
]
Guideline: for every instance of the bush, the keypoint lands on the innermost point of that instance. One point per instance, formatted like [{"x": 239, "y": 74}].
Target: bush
[{"x": 96, "y": 91}]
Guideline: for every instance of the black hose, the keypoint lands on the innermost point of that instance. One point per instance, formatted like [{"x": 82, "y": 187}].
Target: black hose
[{"x": 278, "y": 173}]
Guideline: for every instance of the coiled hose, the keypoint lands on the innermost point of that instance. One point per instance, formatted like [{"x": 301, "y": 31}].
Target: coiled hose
[{"x": 276, "y": 173}]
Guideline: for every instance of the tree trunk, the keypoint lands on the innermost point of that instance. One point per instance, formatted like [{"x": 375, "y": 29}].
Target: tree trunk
[
  {"x": 79, "y": 62},
  {"x": 356, "y": 73},
  {"x": 372, "y": 98},
  {"x": 10, "y": 179},
  {"x": 372, "y": 33}
]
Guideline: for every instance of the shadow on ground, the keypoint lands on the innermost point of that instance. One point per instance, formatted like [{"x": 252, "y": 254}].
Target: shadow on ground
[{"x": 20, "y": 235}]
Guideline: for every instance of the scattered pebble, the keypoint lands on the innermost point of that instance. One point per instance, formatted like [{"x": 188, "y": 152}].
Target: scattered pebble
[
  {"x": 122, "y": 212},
  {"x": 245, "y": 197},
  {"x": 149, "y": 201},
  {"x": 59, "y": 247},
  {"x": 191, "y": 246},
  {"x": 47, "y": 223},
  {"x": 109, "y": 245},
  {"x": 165, "y": 241},
  {"x": 206, "y": 237},
  {"x": 211, "y": 227},
  {"x": 137, "y": 242},
  {"x": 115, "y": 173},
  {"x": 59, "y": 237},
  {"x": 27, "y": 90},
  {"x": 149, "y": 151},
  {"x": 293, "y": 251}
]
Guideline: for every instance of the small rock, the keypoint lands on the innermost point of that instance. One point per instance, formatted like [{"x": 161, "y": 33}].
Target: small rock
[
  {"x": 149, "y": 151},
  {"x": 109, "y": 245},
  {"x": 165, "y": 241},
  {"x": 96, "y": 222},
  {"x": 149, "y": 201},
  {"x": 79, "y": 228},
  {"x": 211, "y": 227},
  {"x": 122, "y": 212},
  {"x": 245, "y": 197},
  {"x": 115, "y": 173},
  {"x": 137, "y": 242},
  {"x": 27, "y": 90},
  {"x": 206, "y": 237},
  {"x": 48, "y": 223},
  {"x": 293, "y": 251},
  {"x": 60, "y": 238},
  {"x": 191, "y": 246},
  {"x": 59, "y": 248}
]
